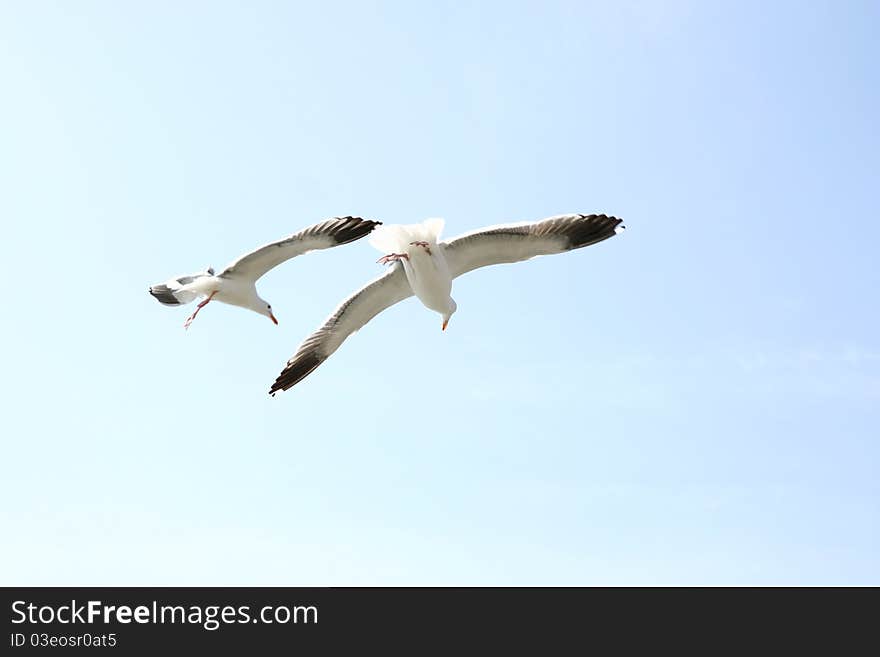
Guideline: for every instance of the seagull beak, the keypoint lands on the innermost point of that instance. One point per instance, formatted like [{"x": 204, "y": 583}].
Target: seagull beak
[
  {"x": 272, "y": 317},
  {"x": 445, "y": 322}
]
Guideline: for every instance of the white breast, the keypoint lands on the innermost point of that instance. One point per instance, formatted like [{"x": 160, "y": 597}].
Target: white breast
[{"x": 237, "y": 292}]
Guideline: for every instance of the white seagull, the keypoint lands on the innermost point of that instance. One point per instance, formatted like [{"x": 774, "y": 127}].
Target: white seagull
[
  {"x": 425, "y": 267},
  {"x": 236, "y": 284}
]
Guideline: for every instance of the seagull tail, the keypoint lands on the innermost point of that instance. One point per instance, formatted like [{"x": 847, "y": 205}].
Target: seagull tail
[
  {"x": 397, "y": 238},
  {"x": 430, "y": 230},
  {"x": 171, "y": 292}
]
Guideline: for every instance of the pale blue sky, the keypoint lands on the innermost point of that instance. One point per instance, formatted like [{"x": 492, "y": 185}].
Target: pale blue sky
[{"x": 694, "y": 402}]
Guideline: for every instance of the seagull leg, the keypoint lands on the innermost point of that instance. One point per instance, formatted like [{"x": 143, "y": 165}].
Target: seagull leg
[
  {"x": 189, "y": 320},
  {"x": 422, "y": 244},
  {"x": 392, "y": 257}
]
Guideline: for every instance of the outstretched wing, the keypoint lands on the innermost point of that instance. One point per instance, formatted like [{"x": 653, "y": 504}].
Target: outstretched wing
[
  {"x": 515, "y": 242},
  {"x": 333, "y": 232},
  {"x": 351, "y": 315}
]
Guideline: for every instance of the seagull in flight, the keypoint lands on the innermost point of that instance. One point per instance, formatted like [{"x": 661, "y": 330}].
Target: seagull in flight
[
  {"x": 423, "y": 266},
  {"x": 236, "y": 284}
]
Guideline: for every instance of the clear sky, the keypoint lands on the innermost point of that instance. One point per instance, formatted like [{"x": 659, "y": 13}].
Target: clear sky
[{"x": 696, "y": 401}]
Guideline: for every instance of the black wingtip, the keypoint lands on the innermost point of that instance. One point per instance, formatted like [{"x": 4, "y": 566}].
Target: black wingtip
[
  {"x": 296, "y": 370},
  {"x": 163, "y": 295},
  {"x": 350, "y": 229},
  {"x": 592, "y": 228}
]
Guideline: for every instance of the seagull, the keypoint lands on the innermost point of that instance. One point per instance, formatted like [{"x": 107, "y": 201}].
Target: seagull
[
  {"x": 236, "y": 285},
  {"x": 423, "y": 266}
]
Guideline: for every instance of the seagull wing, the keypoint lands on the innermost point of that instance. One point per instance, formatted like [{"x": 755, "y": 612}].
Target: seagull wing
[
  {"x": 333, "y": 232},
  {"x": 515, "y": 242},
  {"x": 352, "y": 314}
]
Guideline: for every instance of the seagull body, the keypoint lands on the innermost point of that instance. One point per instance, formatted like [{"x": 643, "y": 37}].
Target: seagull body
[
  {"x": 423, "y": 266},
  {"x": 236, "y": 284},
  {"x": 424, "y": 262},
  {"x": 229, "y": 289}
]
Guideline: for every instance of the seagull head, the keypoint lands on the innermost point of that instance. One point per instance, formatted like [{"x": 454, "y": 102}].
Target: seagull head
[
  {"x": 451, "y": 309},
  {"x": 266, "y": 309}
]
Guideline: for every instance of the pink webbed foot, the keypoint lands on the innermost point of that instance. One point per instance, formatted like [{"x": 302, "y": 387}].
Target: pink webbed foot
[{"x": 392, "y": 257}]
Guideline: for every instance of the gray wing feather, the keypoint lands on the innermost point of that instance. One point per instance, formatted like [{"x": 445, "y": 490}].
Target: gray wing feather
[
  {"x": 516, "y": 242},
  {"x": 333, "y": 232}
]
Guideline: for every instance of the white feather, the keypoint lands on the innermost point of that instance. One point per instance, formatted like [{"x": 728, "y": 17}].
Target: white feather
[{"x": 396, "y": 238}]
